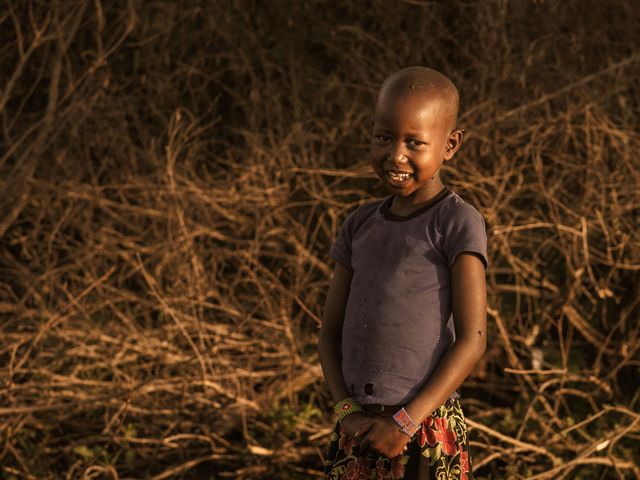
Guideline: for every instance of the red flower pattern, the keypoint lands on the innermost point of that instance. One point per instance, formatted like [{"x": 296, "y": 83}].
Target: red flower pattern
[
  {"x": 357, "y": 470},
  {"x": 381, "y": 472},
  {"x": 464, "y": 464},
  {"x": 397, "y": 468},
  {"x": 436, "y": 430},
  {"x": 346, "y": 442},
  {"x": 441, "y": 438}
]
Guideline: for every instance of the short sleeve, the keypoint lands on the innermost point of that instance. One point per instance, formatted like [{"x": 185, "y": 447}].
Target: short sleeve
[
  {"x": 341, "y": 248},
  {"x": 464, "y": 231}
]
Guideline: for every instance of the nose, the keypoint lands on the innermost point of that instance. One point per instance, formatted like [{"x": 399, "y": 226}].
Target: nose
[{"x": 396, "y": 153}]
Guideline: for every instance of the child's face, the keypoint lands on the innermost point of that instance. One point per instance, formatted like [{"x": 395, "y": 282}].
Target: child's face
[{"x": 412, "y": 138}]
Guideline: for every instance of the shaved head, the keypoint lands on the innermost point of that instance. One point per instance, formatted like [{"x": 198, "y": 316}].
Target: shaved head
[{"x": 427, "y": 83}]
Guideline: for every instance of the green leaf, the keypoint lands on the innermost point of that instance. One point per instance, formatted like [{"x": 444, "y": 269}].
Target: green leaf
[
  {"x": 130, "y": 430},
  {"x": 84, "y": 451}
]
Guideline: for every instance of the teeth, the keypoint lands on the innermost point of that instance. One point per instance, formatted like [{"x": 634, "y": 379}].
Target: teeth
[{"x": 398, "y": 176}]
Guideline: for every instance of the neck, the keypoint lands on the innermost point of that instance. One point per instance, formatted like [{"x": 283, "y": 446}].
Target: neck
[{"x": 407, "y": 205}]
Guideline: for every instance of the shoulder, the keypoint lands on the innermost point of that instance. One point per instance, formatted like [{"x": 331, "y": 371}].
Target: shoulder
[
  {"x": 368, "y": 208},
  {"x": 462, "y": 229},
  {"x": 362, "y": 212},
  {"x": 355, "y": 220},
  {"x": 453, "y": 207},
  {"x": 454, "y": 214}
]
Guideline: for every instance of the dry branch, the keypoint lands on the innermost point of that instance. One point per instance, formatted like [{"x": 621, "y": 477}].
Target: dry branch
[{"x": 174, "y": 174}]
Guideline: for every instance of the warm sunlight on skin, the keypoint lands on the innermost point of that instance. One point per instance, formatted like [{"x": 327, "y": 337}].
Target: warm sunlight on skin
[
  {"x": 409, "y": 144},
  {"x": 414, "y": 134}
]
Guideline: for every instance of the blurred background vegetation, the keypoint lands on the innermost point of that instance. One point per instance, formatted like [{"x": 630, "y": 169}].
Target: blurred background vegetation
[{"x": 173, "y": 173}]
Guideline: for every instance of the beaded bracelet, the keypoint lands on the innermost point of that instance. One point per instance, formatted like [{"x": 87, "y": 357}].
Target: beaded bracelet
[
  {"x": 347, "y": 407},
  {"x": 405, "y": 422}
]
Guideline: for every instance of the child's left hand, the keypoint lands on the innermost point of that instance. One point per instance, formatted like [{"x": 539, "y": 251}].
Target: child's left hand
[{"x": 384, "y": 437}]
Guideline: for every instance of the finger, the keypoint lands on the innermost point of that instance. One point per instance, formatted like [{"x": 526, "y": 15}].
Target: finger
[
  {"x": 365, "y": 427},
  {"x": 369, "y": 439},
  {"x": 403, "y": 451},
  {"x": 363, "y": 431},
  {"x": 368, "y": 421}
]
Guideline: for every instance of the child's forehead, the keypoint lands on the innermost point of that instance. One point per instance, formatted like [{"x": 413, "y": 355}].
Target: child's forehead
[
  {"x": 419, "y": 99},
  {"x": 394, "y": 106},
  {"x": 420, "y": 94},
  {"x": 420, "y": 88}
]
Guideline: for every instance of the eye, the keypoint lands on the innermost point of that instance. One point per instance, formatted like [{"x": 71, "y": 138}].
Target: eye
[
  {"x": 382, "y": 138},
  {"x": 413, "y": 143}
]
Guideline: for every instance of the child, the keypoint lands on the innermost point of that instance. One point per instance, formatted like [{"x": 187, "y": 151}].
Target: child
[{"x": 405, "y": 316}]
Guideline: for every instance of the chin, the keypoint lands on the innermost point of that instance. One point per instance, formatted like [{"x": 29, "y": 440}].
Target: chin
[{"x": 404, "y": 193}]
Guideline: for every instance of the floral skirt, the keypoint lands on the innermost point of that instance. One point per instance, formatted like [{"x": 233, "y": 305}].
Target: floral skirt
[{"x": 439, "y": 451}]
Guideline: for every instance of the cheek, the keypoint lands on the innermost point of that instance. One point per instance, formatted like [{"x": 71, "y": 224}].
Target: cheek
[
  {"x": 376, "y": 154},
  {"x": 376, "y": 148}
]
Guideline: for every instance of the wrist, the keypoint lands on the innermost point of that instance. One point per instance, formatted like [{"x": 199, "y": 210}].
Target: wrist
[
  {"x": 405, "y": 423},
  {"x": 346, "y": 407}
]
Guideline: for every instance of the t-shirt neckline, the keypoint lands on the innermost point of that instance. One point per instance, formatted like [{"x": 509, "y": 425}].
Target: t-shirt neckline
[{"x": 385, "y": 208}]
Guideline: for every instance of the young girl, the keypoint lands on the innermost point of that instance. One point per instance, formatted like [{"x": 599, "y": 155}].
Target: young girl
[{"x": 405, "y": 316}]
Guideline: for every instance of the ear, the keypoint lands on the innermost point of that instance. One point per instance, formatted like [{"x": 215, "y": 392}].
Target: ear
[{"x": 453, "y": 143}]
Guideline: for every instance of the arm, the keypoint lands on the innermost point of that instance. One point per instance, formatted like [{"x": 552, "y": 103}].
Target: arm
[
  {"x": 469, "y": 305},
  {"x": 330, "y": 343},
  {"x": 330, "y": 339}
]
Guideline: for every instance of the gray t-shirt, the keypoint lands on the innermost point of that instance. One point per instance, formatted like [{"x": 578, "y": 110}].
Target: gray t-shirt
[{"x": 398, "y": 320}]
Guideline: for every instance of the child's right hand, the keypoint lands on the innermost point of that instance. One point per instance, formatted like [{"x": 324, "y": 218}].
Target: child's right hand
[{"x": 357, "y": 424}]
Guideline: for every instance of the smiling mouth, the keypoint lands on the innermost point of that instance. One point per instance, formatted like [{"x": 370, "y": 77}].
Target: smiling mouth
[{"x": 397, "y": 177}]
